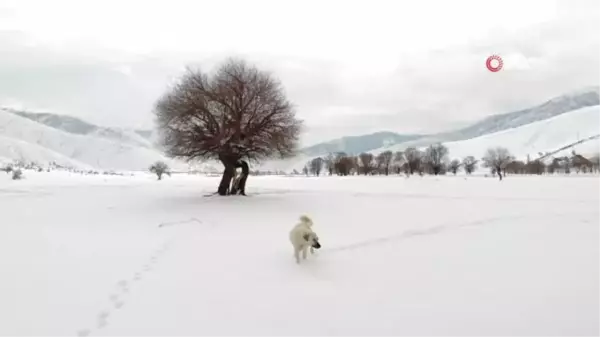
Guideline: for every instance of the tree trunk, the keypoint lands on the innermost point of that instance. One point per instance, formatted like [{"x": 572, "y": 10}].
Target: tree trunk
[
  {"x": 245, "y": 172},
  {"x": 499, "y": 171},
  {"x": 227, "y": 176}
]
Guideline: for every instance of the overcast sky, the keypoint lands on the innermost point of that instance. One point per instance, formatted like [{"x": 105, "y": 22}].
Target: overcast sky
[{"x": 351, "y": 67}]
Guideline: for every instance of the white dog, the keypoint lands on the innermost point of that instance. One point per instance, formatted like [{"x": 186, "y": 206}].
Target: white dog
[{"x": 303, "y": 237}]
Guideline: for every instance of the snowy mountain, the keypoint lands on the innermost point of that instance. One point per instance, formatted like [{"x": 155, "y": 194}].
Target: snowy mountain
[
  {"x": 71, "y": 142},
  {"x": 539, "y": 137},
  {"x": 589, "y": 96},
  {"x": 357, "y": 144},
  {"x": 554, "y": 107},
  {"x": 547, "y": 127},
  {"x": 80, "y": 127}
]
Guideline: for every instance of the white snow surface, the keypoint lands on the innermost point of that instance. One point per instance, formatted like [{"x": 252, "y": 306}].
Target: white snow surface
[{"x": 115, "y": 256}]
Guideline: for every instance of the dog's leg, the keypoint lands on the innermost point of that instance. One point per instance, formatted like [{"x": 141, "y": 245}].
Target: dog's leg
[
  {"x": 304, "y": 251},
  {"x": 297, "y": 255},
  {"x": 312, "y": 250}
]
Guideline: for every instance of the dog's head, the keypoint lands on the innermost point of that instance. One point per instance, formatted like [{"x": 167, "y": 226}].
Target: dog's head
[
  {"x": 306, "y": 220},
  {"x": 312, "y": 239}
]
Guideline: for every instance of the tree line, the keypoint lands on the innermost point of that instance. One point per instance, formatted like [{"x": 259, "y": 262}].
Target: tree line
[{"x": 435, "y": 160}]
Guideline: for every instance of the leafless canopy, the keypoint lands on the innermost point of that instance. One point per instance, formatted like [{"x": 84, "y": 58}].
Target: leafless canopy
[
  {"x": 316, "y": 165},
  {"x": 470, "y": 164},
  {"x": 413, "y": 159},
  {"x": 384, "y": 161},
  {"x": 366, "y": 162},
  {"x": 497, "y": 158},
  {"x": 435, "y": 156},
  {"x": 237, "y": 112}
]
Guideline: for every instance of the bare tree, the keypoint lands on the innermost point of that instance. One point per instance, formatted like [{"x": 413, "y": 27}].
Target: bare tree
[
  {"x": 305, "y": 170},
  {"x": 235, "y": 115},
  {"x": 413, "y": 159},
  {"x": 343, "y": 164},
  {"x": 366, "y": 162},
  {"x": 515, "y": 167},
  {"x": 497, "y": 158},
  {"x": 354, "y": 166},
  {"x": 554, "y": 166},
  {"x": 398, "y": 161},
  {"x": 595, "y": 163},
  {"x": 534, "y": 167},
  {"x": 159, "y": 168},
  {"x": 316, "y": 165},
  {"x": 566, "y": 164},
  {"x": 470, "y": 164},
  {"x": 17, "y": 174},
  {"x": 454, "y": 166},
  {"x": 329, "y": 163},
  {"x": 436, "y": 156},
  {"x": 581, "y": 163},
  {"x": 384, "y": 161}
]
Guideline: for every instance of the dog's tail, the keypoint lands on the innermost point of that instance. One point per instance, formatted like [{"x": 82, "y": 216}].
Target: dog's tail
[{"x": 306, "y": 220}]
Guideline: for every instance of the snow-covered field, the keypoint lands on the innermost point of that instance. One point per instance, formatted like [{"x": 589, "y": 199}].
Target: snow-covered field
[{"x": 132, "y": 256}]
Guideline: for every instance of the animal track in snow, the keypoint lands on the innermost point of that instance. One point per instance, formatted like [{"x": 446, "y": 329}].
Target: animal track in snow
[
  {"x": 102, "y": 319},
  {"x": 83, "y": 333},
  {"x": 123, "y": 287}
]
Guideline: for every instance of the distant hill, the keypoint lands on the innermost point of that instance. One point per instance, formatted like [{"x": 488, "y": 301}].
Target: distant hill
[
  {"x": 357, "y": 144},
  {"x": 554, "y": 107},
  {"x": 535, "y": 139},
  {"x": 71, "y": 142},
  {"x": 80, "y": 127},
  {"x": 578, "y": 110}
]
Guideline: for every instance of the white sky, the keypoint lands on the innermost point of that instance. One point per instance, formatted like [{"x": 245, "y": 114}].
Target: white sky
[{"x": 351, "y": 67}]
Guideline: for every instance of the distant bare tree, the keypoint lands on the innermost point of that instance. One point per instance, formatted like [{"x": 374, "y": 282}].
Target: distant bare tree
[
  {"x": 454, "y": 166},
  {"x": 159, "y": 168},
  {"x": 565, "y": 164},
  {"x": 17, "y": 174},
  {"x": 235, "y": 115},
  {"x": 516, "y": 167},
  {"x": 554, "y": 166},
  {"x": 343, "y": 164},
  {"x": 413, "y": 159},
  {"x": 398, "y": 161},
  {"x": 497, "y": 158},
  {"x": 366, "y": 162},
  {"x": 305, "y": 170},
  {"x": 384, "y": 161},
  {"x": 470, "y": 164},
  {"x": 535, "y": 167},
  {"x": 436, "y": 156},
  {"x": 316, "y": 165},
  {"x": 355, "y": 167},
  {"x": 595, "y": 163},
  {"x": 329, "y": 163},
  {"x": 581, "y": 164}
]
